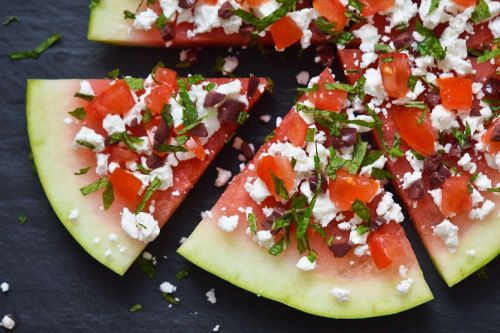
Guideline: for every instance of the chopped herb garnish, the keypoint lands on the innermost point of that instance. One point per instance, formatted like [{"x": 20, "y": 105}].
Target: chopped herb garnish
[
  {"x": 262, "y": 24},
  {"x": 84, "y": 97},
  {"x": 488, "y": 55},
  {"x": 360, "y": 209},
  {"x": 78, "y": 113},
  {"x": 114, "y": 73},
  {"x": 134, "y": 83},
  {"x": 127, "y": 14},
  {"x": 434, "y": 5},
  {"x": 146, "y": 267},
  {"x": 152, "y": 188},
  {"x": 381, "y": 174},
  {"x": 430, "y": 45},
  {"x": 356, "y": 5},
  {"x": 135, "y": 308},
  {"x": 278, "y": 247},
  {"x": 147, "y": 115},
  {"x": 143, "y": 169},
  {"x": 171, "y": 299},
  {"x": 379, "y": 47},
  {"x": 481, "y": 12},
  {"x": 108, "y": 196},
  {"x": 395, "y": 151},
  {"x": 339, "y": 86},
  {"x": 314, "y": 87},
  {"x": 279, "y": 187},
  {"x": 417, "y": 155},
  {"x": 189, "y": 114},
  {"x": 270, "y": 136},
  {"x": 22, "y": 219},
  {"x": 412, "y": 82},
  {"x": 165, "y": 148},
  {"x": 335, "y": 164},
  {"x": 494, "y": 189},
  {"x": 416, "y": 105},
  {"x": 421, "y": 118},
  {"x": 35, "y": 53},
  {"x": 358, "y": 155},
  {"x": 252, "y": 223},
  {"x": 10, "y": 20},
  {"x": 326, "y": 26},
  {"x": 242, "y": 117},
  {"x": 311, "y": 256},
  {"x": 462, "y": 136},
  {"x": 371, "y": 158},
  {"x": 344, "y": 38},
  {"x": 161, "y": 21},
  {"x": 182, "y": 274},
  {"x": 85, "y": 144},
  {"x": 95, "y": 186},
  {"x": 387, "y": 60},
  {"x": 362, "y": 229},
  {"x": 402, "y": 26},
  {"x": 311, "y": 131},
  {"x": 195, "y": 79},
  {"x": 129, "y": 141},
  {"x": 210, "y": 86},
  {"x": 82, "y": 171}
]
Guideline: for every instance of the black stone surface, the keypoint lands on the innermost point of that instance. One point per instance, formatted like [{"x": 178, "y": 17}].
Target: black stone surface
[{"x": 57, "y": 287}]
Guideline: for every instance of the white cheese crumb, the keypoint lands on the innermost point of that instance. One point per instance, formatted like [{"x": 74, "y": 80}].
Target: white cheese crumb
[
  {"x": 258, "y": 190},
  {"x": 211, "y": 296},
  {"x": 471, "y": 252},
  {"x": 73, "y": 214},
  {"x": 145, "y": 19},
  {"x": 448, "y": 232},
  {"x": 342, "y": 295},
  {"x": 409, "y": 178},
  {"x": 228, "y": 223},
  {"x": 112, "y": 237},
  {"x": 8, "y": 322},
  {"x": 303, "y": 77},
  {"x": 481, "y": 213},
  {"x": 264, "y": 238},
  {"x": 404, "y": 286},
  {"x": 89, "y": 136},
  {"x": 443, "y": 119},
  {"x": 265, "y": 118},
  {"x": 403, "y": 270},
  {"x": 86, "y": 88},
  {"x": 167, "y": 288},
  {"x": 437, "y": 196},
  {"x": 482, "y": 182},
  {"x": 102, "y": 164},
  {"x": 390, "y": 210},
  {"x": 306, "y": 265},
  {"x": 230, "y": 65},
  {"x": 4, "y": 287},
  {"x": 142, "y": 226},
  {"x": 223, "y": 177},
  {"x": 216, "y": 328},
  {"x": 113, "y": 123}
]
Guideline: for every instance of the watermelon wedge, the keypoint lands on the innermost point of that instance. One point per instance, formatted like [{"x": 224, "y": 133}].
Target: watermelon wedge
[
  {"x": 311, "y": 187},
  {"x": 128, "y": 169},
  {"x": 444, "y": 109}
]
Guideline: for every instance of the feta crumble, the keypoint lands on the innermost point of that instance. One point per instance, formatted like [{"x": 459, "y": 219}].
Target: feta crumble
[
  {"x": 448, "y": 232},
  {"x": 305, "y": 264},
  {"x": 342, "y": 295},
  {"x": 228, "y": 223}
]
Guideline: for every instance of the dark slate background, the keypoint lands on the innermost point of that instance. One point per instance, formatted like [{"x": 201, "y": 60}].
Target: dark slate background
[{"x": 57, "y": 287}]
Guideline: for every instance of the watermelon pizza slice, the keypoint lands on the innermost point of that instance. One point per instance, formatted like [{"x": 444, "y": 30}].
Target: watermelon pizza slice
[
  {"x": 308, "y": 221},
  {"x": 433, "y": 84},
  {"x": 190, "y": 23},
  {"x": 117, "y": 157}
]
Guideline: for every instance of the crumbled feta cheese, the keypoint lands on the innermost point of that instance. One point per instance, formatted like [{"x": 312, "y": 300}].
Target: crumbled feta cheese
[
  {"x": 223, "y": 177},
  {"x": 482, "y": 182},
  {"x": 258, "y": 190},
  {"x": 361, "y": 250},
  {"x": 266, "y": 8},
  {"x": 342, "y": 295},
  {"x": 357, "y": 238},
  {"x": 68, "y": 120},
  {"x": 228, "y": 223},
  {"x": 481, "y": 213},
  {"x": 403, "y": 270},
  {"x": 436, "y": 196},
  {"x": 89, "y": 136},
  {"x": 230, "y": 64},
  {"x": 264, "y": 238},
  {"x": 86, "y": 88},
  {"x": 324, "y": 210},
  {"x": 303, "y": 19},
  {"x": 305, "y": 264},
  {"x": 167, "y": 288},
  {"x": 145, "y": 19},
  {"x": 494, "y": 26},
  {"x": 4, "y": 287},
  {"x": 404, "y": 286},
  {"x": 102, "y": 164},
  {"x": 402, "y": 12},
  {"x": 73, "y": 214},
  {"x": 389, "y": 210},
  {"x": 265, "y": 118},
  {"x": 8, "y": 322},
  {"x": 411, "y": 177},
  {"x": 443, "y": 119},
  {"x": 369, "y": 37},
  {"x": 448, "y": 232},
  {"x": 113, "y": 123},
  {"x": 302, "y": 78},
  {"x": 374, "y": 86},
  {"x": 142, "y": 226},
  {"x": 471, "y": 252},
  {"x": 379, "y": 163},
  {"x": 211, "y": 296},
  {"x": 165, "y": 175}
]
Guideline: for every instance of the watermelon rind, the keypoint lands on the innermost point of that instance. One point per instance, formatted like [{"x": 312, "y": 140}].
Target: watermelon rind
[{"x": 242, "y": 263}]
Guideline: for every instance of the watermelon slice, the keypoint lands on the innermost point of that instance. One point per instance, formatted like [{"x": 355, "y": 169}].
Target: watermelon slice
[
  {"x": 52, "y": 131},
  {"x": 353, "y": 258},
  {"x": 420, "y": 122}
]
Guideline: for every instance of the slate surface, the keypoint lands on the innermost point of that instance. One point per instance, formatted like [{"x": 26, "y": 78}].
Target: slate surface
[{"x": 57, "y": 287}]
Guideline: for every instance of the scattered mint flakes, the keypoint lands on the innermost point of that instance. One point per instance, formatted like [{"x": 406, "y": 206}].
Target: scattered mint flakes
[
  {"x": 182, "y": 274},
  {"x": 108, "y": 196},
  {"x": 146, "y": 267},
  {"x": 434, "y": 5},
  {"x": 127, "y": 14},
  {"x": 101, "y": 183},
  {"x": 82, "y": 171},
  {"x": 481, "y": 12},
  {"x": 78, "y": 113},
  {"x": 134, "y": 83},
  {"x": 10, "y": 20},
  {"x": 252, "y": 223},
  {"x": 37, "y": 51},
  {"x": 279, "y": 187},
  {"x": 135, "y": 308},
  {"x": 152, "y": 188},
  {"x": 430, "y": 45},
  {"x": 88, "y": 98},
  {"x": 360, "y": 209},
  {"x": 262, "y": 24},
  {"x": 278, "y": 247},
  {"x": 22, "y": 219},
  {"x": 113, "y": 74},
  {"x": 488, "y": 55}
]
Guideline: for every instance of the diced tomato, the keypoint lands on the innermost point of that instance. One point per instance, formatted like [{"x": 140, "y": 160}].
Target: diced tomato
[
  {"x": 386, "y": 244},
  {"x": 158, "y": 97},
  {"x": 493, "y": 146},
  {"x": 281, "y": 168},
  {"x": 456, "y": 92},
  {"x": 465, "y": 3},
  {"x": 346, "y": 188},
  {"x": 210, "y": 2},
  {"x": 121, "y": 155},
  {"x": 455, "y": 195},
  {"x": 371, "y": 7},
  {"x": 195, "y": 146},
  {"x": 295, "y": 129},
  {"x": 285, "y": 33},
  {"x": 125, "y": 184},
  {"x": 333, "y": 11},
  {"x": 256, "y": 3},
  {"x": 166, "y": 76},
  {"x": 420, "y": 137},
  {"x": 330, "y": 100},
  {"x": 117, "y": 99},
  {"x": 351, "y": 60},
  {"x": 396, "y": 72}
]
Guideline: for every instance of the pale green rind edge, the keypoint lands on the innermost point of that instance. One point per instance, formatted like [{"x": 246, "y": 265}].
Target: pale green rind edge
[
  {"x": 484, "y": 238},
  {"x": 245, "y": 265},
  {"x": 107, "y": 24},
  {"x": 47, "y": 101}
]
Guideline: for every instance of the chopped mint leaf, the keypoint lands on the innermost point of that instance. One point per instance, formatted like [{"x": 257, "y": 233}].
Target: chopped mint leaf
[
  {"x": 382, "y": 48},
  {"x": 95, "y": 186},
  {"x": 360, "y": 209},
  {"x": 330, "y": 240},
  {"x": 146, "y": 267},
  {"x": 85, "y": 144},
  {"x": 152, "y": 188},
  {"x": 381, "y": 174},
  {"x": 189, "y": 114},
  {"x": 336, "y": 163},
  {"x": 127, "y": 14},
  {"x": 356, "y": 5},
  {"x": 171, "y": 299},
  {"x": 129, "y": 141},
  {"x": 417, "y": 155},
  {"x": 312, "y": 256},
  {"x": 339, "y": 86},
  {"x": 317, "y": 228},
  {"x": 135, "y": 83},
  {"x": 395, "y": 151},
  {"x": 430, "y": 45},
  {"x": 462, "y": 137},
  {"x": 114, "y": 73},
  {"x": 161, "y": 21},
  {"x": 371, "y": 158},
  {"x": 421, "y": 118},
  {"x": 481, "y": 12},
  {"x": 200, "y": 120},
  {"x": 278, "y": 247},
  {"x": 412, "y": 82},
  {"x": 195, "y": 79},
  {"x": 387, "y": 60},
  {"x": 10, "y": 20},
  {"x": 78, "y": 113},
  {"x": 493, "y": 189},
  {"x": 165, "y": 148},
  {"x": 358, "y": 155},
  {"x": 210, "y": 86},
  {"x": 488, "y": 55},
  {"x": 434, "y": 5},
  {"x": 36, "y": 52},
  {"x": 83, "y": 96},
  {"x": 82, "y": 171},
  {"x": 344, "y": 38},
  {"x": 147, "y": 115},
  {"x": 22, "y": 219},
  {"x": 108, "y": 196},
  {"x": 362, "y": 229},
  {"x": 311, "y": 131},
  {"x": 262, "y": 24},
  {"x": 252, "y": 224},
  {"x": 242, "y": 117},
  {"x": 143, "y": 169},
  {"x": 416, "y": 105},
  {"x": 94, "y": 3},
  {"x": 279, "y": 187},
  {"x": 182, "y": 274},
  {"x": 135, "y": 308},
  {"x": 326, "y": 26}
]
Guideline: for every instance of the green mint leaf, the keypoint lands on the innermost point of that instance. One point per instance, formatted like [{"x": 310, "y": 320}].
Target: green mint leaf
[
  {"x": 127, "y": 14},
  {"x": 278, "y": 247},
  {"x": 360, "y": 209},
  {"x": 195, "y": 79},
  {"x": 36, "y": 52},
  {"x": 339, "y": 86},
  {"x": 344, "y": 38},
  {"x": 95, "y": 186},
  {"x": 493, "y": 189},
  {"x": 22, "y": 219},
  {"x": 395, "y": 151},
  {"x": 114, "y": 73},
  {"x": 481, "y": 12},
  {"x": 326, "y": 26},
  {"x": 382, "y": 48},
  {"x": 416, "y": 105},
  {"x": 430, "y": 45},
  {"x": 252, "y": 223},
  {"x": 135, "y": 308},
  {"x": 412, "y": 82},
  {"x": 286, "y": 6},
  {"x": 362, "y": 229},
  {"x": 311, "y": 131},
  {"x": 382, "y": 174},
  {"x": 210, "y": 86},
  {"x": 356, "y": 5},
  {"x": 358, "y": 155},
  {"x": 108, "y": 196},
  {"x": 134, "y": 83},
  {"x": 85, "y": 144},
  {"x": 152, "y": 188},
  {"x": 164, "y": 148},
  {"x": 147, "y": 115},
  {"x": 146, "y": 267},
  {"x": 335, "y": 163},
  {"x": 82, "y": 171},
  {"x": 371, "y": 158},
  {"x": 189, "y": 114},
  {"x": 312, "y": 256},
  {"x": 242, "y": 117},
  {"x": 161, "y": 21},
  {"x": 434, "y": 5},
  {"x": 488, "y": 55},
  {"x": 182, "y": 274},
  {"x": 10, "y": 20},
  {"x": 78, "y": 113},
  {"x": 279, "y": 187},
  {"x": 84, "y": 97}
]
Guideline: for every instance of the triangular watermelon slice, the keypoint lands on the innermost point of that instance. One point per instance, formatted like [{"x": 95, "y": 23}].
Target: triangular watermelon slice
[
  {"x": 307, "y": 224},
  {"x": 445, "y": 111},
  {"x": 166, "y": 148}
]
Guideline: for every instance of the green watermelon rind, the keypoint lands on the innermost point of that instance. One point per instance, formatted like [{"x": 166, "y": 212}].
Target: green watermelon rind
[
  {"x": 47, "y": 103},
  {"x": 242, "y": 263}
]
